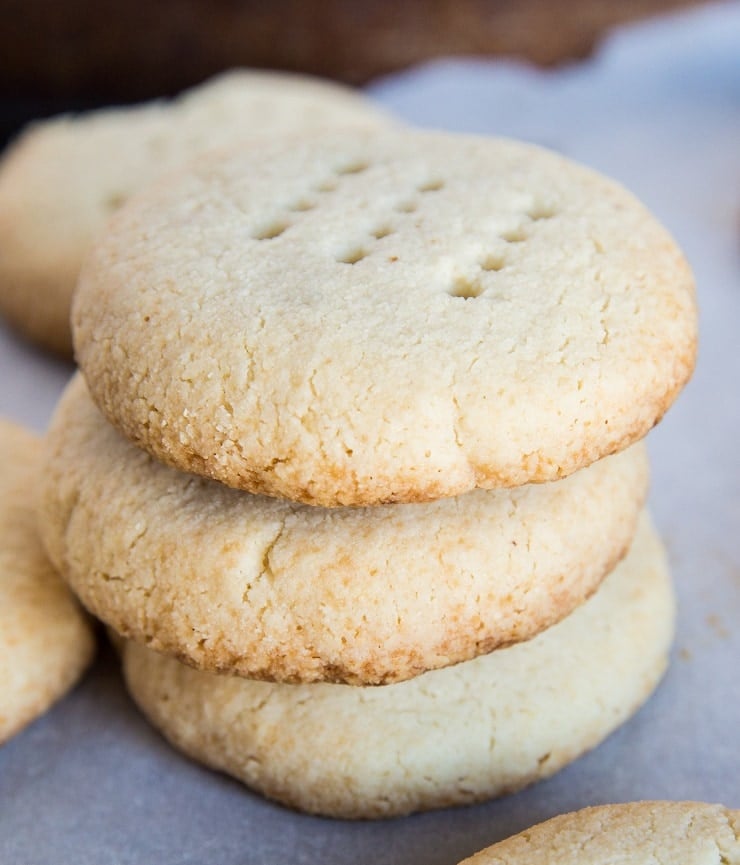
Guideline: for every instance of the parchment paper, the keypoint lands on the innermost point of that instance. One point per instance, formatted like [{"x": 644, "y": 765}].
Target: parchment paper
[{"x": 659, "y": 109}]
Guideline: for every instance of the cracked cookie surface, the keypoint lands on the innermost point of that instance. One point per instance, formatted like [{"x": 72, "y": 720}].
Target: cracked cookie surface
[
  {"x": 389, "y": 316},
  {"x": 463, "y": 734},
  {"x": 268, "y": 588}
]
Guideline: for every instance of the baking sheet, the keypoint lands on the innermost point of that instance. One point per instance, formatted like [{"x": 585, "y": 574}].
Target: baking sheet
[{"x": 659, "y": 109}]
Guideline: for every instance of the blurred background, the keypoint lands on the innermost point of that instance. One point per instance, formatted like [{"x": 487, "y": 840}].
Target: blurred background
[{"x": 82, "y": 54}]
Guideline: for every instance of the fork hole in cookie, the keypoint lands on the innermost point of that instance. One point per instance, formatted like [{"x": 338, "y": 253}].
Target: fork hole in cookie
[
  {"x": 492, "y": 263},
  {"x": 406, "y": 207},
  {"x": 353, "y": 256},
  {"x": 431, "y": 186},
  {"x": 541, "y": 211},
  {"x": 465, "y": 288},
  {"x": 303, "y": 205},
  {"x": 356, "y": 167},
  {"x": 327, "y": 186},
  {"x": 114, "y": 200},
  {"x": 382, "y": 231},
  {"x": 272, "y": 230},
  {"x": 515, "y": 235}
]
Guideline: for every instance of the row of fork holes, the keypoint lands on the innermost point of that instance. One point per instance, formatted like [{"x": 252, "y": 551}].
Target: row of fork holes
[
  {"x": 467, "y": 287},
  {"x": 494, "y": 262},
  {"x": 463, "y": 287},
  {"x": 278, "y": 227},
  {"x": 302, "y": 205},
  {"x": 385, "y": 230}
]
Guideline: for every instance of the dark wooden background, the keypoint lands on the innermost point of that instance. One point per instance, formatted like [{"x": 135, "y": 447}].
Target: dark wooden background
[{"x": 79, "y": 54}]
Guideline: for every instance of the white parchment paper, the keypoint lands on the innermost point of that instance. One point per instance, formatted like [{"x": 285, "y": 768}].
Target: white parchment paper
[{"x": 659, "y": 109}]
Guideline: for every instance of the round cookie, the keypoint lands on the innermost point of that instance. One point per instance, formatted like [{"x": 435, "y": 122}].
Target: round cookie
[
  {"x": 390, "y": 316},
  {"x": 45, "y": 639},
  {"x": 635, "y": 833},
  {"x": 268, "y": 588},
  {"x": 63, "y": 177},
  {"x": 454, "y": 736}
]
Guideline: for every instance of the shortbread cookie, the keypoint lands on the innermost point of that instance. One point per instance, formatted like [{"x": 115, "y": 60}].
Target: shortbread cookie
[
  {"x": 453, "y": 736},
  {"x": 636, "y": 833},
  {"x": 267, "y": 588},
  {"x": 45, "y": 640},
  {"x": 384, "y": 317},
  {"x": 63, "y": 177}
]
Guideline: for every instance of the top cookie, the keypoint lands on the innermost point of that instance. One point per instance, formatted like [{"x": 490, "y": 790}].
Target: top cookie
[
  {"x": 64, "y": 177},
  {"x": 636, "y": 833},
  {"x": 388, "y": 316}
]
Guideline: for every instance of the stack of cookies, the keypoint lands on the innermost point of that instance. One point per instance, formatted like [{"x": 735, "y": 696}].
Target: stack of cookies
[{"x": 365, "y": 410}]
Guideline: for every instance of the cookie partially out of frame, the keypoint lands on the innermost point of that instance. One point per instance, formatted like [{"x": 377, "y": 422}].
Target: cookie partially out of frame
[
  {"x": 394, "y": 316},
  {"x": 453, "y": 736},
  {"x": 635, "y": 833},
  {"x": 45, "y": 639},
  {"x": 268, "y": 588},
  {"x": 63, "y": 177}
]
